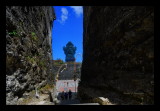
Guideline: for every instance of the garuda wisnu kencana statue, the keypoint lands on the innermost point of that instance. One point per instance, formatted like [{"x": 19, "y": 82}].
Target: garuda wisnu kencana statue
[{"x": 69, "y": 51}]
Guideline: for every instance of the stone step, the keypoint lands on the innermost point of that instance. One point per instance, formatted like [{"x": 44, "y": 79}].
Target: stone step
[{"x": 86, "y": 104}]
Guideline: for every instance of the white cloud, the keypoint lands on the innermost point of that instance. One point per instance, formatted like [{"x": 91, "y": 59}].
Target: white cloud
[
  {"x": 77, "y": 9},
  {"x": 64, "y": 15}
]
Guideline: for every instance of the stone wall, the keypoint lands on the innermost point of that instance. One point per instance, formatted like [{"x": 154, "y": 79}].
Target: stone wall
[
  {"x": 68, "y": 74},
  {"x": 28, "y": 49},
  {"x": 118, "y": 58}
]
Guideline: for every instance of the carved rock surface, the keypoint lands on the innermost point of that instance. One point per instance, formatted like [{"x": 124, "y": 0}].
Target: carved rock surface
[{"x": 28, "y": 49}]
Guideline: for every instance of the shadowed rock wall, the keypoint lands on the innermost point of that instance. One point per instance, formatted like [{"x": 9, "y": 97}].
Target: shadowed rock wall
[{"x": 118, "y": 58}]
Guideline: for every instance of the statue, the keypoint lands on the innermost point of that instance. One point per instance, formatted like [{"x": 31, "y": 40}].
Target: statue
[{"x": 69, "y": 51}]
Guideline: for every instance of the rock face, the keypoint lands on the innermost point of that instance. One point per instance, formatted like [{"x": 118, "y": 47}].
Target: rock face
[
  {"x": 28, "y": 49},
  {"x": 118, "y": 58}
]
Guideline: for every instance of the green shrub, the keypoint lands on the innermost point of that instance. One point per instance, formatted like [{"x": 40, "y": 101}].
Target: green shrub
[
  {"x": 13, "y": 33},
  {"x": 46, "y": 87},
  {"x": 33, "y": 34},
  {"x": 34, "y": 37},
  {"x": 42, "y": 63},
  {"x": 30, "y": 59}
]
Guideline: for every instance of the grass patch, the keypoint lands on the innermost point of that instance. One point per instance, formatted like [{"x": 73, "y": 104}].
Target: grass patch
[
  {"x": 27, "y": 100},
  {"x": 57, "y": 64},
  {"x": 47, "y": 87}
]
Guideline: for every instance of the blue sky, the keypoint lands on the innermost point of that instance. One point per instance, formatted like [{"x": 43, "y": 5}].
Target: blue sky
[{"x": 68, "y": 26}]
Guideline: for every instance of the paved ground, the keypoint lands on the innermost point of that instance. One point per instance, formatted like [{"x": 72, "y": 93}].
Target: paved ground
[
  {"x": 65, "y": 85},
  {"x": 69, "y": 102},
  {"x": 62, "y": 85},
  {"x": 85, "y": 104}
]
